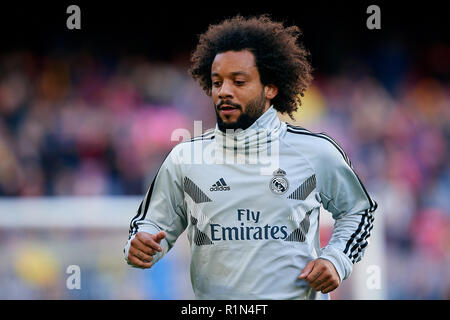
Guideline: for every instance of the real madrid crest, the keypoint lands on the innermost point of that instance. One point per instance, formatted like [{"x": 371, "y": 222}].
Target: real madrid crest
[{"x": 279, "y": 184}]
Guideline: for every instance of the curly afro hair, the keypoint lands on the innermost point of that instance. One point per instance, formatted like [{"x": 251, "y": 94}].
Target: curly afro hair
[{"x": 280, "y": 59}]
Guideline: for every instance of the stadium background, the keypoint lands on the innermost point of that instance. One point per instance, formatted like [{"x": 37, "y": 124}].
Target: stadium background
[{"x": 86, "y": 118}]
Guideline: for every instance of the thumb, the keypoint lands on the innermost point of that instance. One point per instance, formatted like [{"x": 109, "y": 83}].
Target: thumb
[
  {"x": 308, "y": 268},
  {"x": 159, "y": 236}
]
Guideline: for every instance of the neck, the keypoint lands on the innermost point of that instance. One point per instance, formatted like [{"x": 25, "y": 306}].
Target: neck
[{"x": 260, "y": 138}]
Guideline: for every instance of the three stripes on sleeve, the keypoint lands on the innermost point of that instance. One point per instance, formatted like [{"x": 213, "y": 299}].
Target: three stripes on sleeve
[{"x": 358, "y": 240}]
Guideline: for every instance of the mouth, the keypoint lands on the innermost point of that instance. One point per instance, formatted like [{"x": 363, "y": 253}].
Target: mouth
[{"x": 227, "y": 109}]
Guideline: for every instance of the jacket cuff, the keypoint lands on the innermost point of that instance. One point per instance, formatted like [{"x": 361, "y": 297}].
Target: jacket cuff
[{"x": 341, "y": 262}]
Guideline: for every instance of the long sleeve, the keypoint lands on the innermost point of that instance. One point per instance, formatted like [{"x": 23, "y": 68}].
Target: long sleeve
[
  {"x": 163, "y": 207},
  {"x": 342, "y": 193}
]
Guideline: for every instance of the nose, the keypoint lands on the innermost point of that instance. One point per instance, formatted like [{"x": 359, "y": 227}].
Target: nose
[{"x": 225, "y": 91}]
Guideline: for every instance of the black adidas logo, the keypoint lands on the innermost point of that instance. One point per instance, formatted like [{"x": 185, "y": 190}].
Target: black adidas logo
[{"x": 220, "y": 185}]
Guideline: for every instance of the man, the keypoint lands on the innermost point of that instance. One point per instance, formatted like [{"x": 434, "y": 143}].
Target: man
[{"x": 253, "y": 225}]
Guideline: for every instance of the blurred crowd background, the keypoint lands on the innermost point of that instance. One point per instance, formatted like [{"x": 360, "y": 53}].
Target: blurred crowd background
[{"x": 80, "y": 123}]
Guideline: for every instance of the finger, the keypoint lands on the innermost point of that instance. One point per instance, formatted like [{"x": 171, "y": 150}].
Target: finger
[
  {"x": 330, "y": 283},
  {"x": 323, "y": 279},
  {"x": 140, "y": 255},
  {"x": 138, "y": 263},
  {"x": 329, "y": 288},
  {"x": 322, "y": 285},
  {"x": 307, "y": 269},
  {"x": 159, "y": 236},
  {"x": 149, "y": 242},
  {"x": 139, "y": 245},
  {"x": 314, "y": 274}
]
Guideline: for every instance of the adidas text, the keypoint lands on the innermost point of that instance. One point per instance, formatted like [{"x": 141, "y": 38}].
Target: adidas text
[{"x": 221, "y": 188}]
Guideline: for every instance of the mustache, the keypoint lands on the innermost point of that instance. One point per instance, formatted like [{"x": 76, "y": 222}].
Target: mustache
[{"x": 221, "y": 103}]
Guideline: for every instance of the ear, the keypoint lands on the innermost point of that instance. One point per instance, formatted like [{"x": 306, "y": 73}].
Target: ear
[{"x": 270, "y": 91}]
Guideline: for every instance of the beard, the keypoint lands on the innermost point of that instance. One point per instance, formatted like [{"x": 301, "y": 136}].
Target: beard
[{"x": 253, "y": 110}]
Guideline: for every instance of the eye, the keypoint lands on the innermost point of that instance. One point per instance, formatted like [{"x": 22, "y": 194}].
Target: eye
[
  {"x": 239, "y": 82},
  {"x": 216, "y": 83}
]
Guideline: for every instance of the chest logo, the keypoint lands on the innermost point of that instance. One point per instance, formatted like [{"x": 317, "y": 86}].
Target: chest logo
[
  {"x": 220, "y": 185},
  {"x": 279, "y": 184}
]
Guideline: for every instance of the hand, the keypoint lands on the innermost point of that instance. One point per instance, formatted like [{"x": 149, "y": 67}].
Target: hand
[
  {"x": 143, "y": 247},
  {"x": 321, "y": 275}
]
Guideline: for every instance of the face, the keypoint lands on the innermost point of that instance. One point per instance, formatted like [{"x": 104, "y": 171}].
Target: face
[{"x": 239, "y": 96}]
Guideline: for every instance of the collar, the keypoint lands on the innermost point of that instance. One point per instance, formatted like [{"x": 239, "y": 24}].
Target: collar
[{"x": 263, "y": 131}]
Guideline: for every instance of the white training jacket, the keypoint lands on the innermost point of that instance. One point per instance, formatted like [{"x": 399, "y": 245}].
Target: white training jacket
[{"x": 250, "y": 202}]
